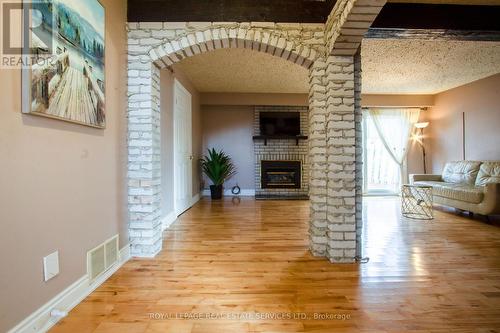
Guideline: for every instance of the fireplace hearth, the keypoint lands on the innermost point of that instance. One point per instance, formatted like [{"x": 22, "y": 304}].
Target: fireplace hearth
[
  {"x": 281, "y": 174},
  {"x": 281, "y": 161}
]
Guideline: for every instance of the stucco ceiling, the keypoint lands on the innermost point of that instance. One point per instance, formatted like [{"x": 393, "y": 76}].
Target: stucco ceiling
[
  {"x": 389, "y": 67},
  {"x": 241, "y": 70},
  {"x": 425, "y": 67}
]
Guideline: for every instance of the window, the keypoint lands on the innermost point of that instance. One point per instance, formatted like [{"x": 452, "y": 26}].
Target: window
[{"x": 381, "y": 172}]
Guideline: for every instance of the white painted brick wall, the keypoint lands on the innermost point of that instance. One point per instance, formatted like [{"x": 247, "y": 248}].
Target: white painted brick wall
[{"x": 331, "y": 157}]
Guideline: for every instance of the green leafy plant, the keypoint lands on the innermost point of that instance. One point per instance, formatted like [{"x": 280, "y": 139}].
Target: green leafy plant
[{"x": 217, "y": 166}]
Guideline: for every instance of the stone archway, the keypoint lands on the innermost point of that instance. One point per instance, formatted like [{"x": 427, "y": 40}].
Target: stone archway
[
  {"x": 334, "y": 157},
  {"x": 263, "y": 38}
]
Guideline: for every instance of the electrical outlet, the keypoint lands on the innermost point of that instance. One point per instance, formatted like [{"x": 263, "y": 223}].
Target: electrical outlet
[{"x": 51, "y": 265}]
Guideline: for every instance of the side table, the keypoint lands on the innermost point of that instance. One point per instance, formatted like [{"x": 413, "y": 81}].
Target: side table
[{"x": 416, "y": 202}]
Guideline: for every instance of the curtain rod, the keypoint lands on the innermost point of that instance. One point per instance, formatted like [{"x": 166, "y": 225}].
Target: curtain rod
[{"x": 423, "y": 108}]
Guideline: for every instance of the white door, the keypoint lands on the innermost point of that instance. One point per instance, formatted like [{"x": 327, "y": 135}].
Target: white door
[{"x": 183, "y": 150}]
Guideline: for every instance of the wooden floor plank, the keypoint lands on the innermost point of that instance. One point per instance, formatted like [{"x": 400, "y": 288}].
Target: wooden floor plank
[
  {"x": 252, "y": 258},
  {"x": 72, "y": 99}
]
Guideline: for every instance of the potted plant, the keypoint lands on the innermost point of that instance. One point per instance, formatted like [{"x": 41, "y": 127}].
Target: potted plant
[{"x": 218, "y": 167}]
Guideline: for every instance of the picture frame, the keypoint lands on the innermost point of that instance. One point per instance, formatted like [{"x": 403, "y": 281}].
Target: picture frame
[{"x": 66, "y": 77}]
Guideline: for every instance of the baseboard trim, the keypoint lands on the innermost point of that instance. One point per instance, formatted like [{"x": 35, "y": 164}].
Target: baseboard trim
[
  {"x": 40, "y": 321},
  {"x": 167, "y": 221},
  {"x": 195, "y": 199},
  {"x": 243, "y": 193}
]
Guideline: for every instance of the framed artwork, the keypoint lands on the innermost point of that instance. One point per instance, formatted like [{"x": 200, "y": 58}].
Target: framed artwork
[{"x": 66, "y": 79}]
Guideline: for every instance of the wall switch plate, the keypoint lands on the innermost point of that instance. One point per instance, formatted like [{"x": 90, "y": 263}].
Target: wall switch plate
[{"x": 51, "y": 265}]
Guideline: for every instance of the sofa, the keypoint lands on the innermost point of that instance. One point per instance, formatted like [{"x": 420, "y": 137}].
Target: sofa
[{"x": 472, "y": 186}]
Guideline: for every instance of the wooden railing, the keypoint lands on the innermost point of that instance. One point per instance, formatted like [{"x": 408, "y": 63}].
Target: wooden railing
[
  {"x": 41, "y": 77},
  {"x": 93, "y": 86}
]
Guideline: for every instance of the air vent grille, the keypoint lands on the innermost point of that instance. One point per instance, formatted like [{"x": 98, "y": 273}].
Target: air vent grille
[
  {"x": 111, "y": 249},
  {"x": 97, "y": 264},
  {"x": 102, "y": 257}
]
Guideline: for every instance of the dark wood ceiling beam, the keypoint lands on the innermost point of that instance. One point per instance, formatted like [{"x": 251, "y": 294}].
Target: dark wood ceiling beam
[
  {"x": 442, "y": 17},
  {"x": 290, "y": 11},
  {"x": 433, "y": 34},
  {"x": 396, "y": 20},
  {"x": 436, "y": 22}
]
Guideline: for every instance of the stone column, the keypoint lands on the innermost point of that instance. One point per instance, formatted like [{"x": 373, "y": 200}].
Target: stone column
[
  {"x": 358, "y": 117},
  {"x": 333, "y": 159},
  {"x": 318, "y": 158},
  {"x": 340, "y": 129},
  {"x": 344, "y": 30},
  {"x": 144, "y": 170}
]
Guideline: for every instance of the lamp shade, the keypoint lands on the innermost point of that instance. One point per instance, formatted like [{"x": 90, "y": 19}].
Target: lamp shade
[{"x": 422, "y": 125}]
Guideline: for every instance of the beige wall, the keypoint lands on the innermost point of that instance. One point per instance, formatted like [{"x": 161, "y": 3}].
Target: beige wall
[
  {"x": 415, "y": 157},
  {"x": 388, "y": 100},
  {"x": 62, "y": 185},
  {"x": 167, "y": 87},
  {"x": 230, "y": 128},
  {"x": 302, "y": 99},
  {"x": 253, "y": 99},
  {"x": 480, "y": 100},
  {"x": 167, "y": 141}
]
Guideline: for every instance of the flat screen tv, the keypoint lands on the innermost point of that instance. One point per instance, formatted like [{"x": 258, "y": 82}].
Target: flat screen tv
[{"x": 280, "y": 123}]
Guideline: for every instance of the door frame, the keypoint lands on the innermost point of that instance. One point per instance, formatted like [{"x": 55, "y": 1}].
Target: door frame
[{"x": 178, "y": 86}]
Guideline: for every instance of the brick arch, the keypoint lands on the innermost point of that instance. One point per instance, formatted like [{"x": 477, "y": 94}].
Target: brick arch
[
  {"x": 193, "y": 43},
  {"x": 334, "y": 123}
]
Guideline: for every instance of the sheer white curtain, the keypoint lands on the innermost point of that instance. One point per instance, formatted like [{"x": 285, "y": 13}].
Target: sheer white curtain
[{"x": 394, "y": 127}]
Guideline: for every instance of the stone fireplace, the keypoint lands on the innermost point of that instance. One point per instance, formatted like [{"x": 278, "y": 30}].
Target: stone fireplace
[
  {"x": 281, "y": 174},
  {"x": 281, "y": 162}
]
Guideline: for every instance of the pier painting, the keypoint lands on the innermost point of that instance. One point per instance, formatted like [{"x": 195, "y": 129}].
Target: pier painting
[{"x": 68, "y": 82}]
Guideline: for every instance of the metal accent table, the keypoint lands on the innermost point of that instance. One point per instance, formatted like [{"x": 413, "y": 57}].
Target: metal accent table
[{"x": 416, "y": 202}]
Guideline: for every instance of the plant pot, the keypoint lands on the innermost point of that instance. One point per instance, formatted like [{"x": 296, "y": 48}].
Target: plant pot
[{"x": 216, "y": 192}]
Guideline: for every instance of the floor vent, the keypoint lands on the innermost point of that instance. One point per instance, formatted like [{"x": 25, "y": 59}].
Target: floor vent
[{"x": 102, "y": 257}]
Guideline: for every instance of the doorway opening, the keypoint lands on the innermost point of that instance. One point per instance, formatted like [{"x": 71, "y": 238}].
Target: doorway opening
[
  {"x": 151, "y": 149},
  {"x": 386, "y": 141},
  {"x": 381, "y": 173}
]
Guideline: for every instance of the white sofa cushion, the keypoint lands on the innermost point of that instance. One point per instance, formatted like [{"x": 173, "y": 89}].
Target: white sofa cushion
[
  {"x": 489, "y": 172},
  {"x": 461, "y": 192},
  {"x": 461, "y": 172}
]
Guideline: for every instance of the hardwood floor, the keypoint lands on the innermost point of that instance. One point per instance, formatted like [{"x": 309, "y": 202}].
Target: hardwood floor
[{"x": 251, "y": 257}]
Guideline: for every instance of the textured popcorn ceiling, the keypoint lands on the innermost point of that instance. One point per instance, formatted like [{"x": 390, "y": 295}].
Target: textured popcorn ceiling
[
  {"x": 241, "y": 70},
  {"x": 389, "y": 67},
  {"x": 425, "y": 67}
]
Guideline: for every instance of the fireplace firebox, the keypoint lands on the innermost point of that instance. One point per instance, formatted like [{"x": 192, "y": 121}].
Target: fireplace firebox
[{"x": 281, "y": 174}]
